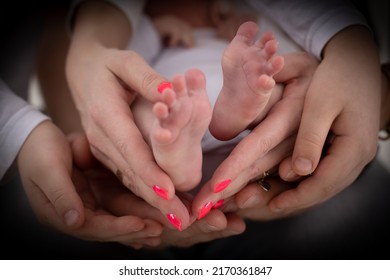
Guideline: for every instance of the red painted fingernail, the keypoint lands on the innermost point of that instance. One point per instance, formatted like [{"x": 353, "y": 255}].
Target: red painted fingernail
[
  {"x": 164, "y": 85},
  {"x": 175, "y": 221},
  {"x": 219, "y": 203},
  {"x": 205, "y": 210},
  {"x": 221, "y": 186},
  {"x": 160, "y": 192}
]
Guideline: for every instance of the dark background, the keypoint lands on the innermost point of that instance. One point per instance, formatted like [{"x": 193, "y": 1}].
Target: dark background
[{"x": 352, "y": 225}]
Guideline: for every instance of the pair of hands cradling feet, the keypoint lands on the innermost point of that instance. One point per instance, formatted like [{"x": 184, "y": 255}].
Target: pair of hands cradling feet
[{"x": 120, "y": 206}]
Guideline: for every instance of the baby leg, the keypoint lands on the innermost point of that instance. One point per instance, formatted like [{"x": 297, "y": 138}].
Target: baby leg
[
  {"x": 248, "y": 68},
  {"x": 181, "y": 120}
]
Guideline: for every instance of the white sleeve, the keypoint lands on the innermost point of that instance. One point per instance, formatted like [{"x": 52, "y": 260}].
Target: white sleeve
[
  {"x": 311, "y": 24},
  {"x": 133, "y": 10},
  {"x": 17, "y": 120}
]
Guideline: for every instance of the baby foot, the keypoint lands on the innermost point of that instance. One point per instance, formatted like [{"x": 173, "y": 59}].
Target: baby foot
[
  {"x": 248, "y": 68},
  {"x": 182, "y": 118}
]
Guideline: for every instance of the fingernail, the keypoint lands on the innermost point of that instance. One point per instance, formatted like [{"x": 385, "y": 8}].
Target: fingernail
[
  {"x": 160, "y": 192},
  {"x": 219, "y": 204},
  {"x": 222, "y": 185},
  {"x": 164, "y": 85},
  {"x": 175, "y": 221},
  {"x": 303, "y": 165},
  {"x": 205, "y": 210},
  {"x": 71, "y": 217}
]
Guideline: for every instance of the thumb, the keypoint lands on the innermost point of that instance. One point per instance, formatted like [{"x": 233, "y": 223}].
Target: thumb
[
  {"x": 315, "y": 126},
  {"x": 62, "y": 194},
  {"x": 135, "y": 72}
]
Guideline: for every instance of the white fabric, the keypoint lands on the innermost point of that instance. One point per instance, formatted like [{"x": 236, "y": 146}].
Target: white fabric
[
  {"x": 132, "y": 8},
  {"x": 17, "y": 120},
  {"x": 311, "y": 24},
  {"x": 146, "y": 41},
  {"x": 297, "y": 24},
  {"x": 206, "y": 56}
]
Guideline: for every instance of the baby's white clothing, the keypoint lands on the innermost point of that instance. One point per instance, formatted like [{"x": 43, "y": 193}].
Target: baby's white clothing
[
  {"x": 206, "y": 55},
  {"x": 297, "y": 24},
  {"x": 311, "y": 24}
]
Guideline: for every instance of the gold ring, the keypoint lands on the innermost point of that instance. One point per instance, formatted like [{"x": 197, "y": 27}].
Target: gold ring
[{"x": 263, "y": 183}]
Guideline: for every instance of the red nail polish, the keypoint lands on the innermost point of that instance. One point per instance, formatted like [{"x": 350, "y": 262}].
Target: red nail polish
[
  {"x": 221, "y": 186},
  {"x": 164, "y": 85},
  {"x": 160, "y": 192},
  {"x": 174, "y": 221},
  {"x": 219, "y": 203},
  {"x": 205, "y": 210}
]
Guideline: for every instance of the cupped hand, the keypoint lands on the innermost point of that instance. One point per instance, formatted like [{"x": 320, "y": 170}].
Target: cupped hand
[
  {"x": 333, "y": 105},
  {"x": 104, "y": 80},
  {"x": 348, "y": 105},
  {"x": 122, "y": 202},
  {"x": 60, "y": 193},
  {"x": 269, "y": 143}
]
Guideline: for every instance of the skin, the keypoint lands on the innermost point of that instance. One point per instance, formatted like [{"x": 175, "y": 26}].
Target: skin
[
  {"x": 111, "y": 195},
  {"x": 63, "y": 198},
  {"x": 337, "y": 105},
  {"x": 275, "y": 141},
  {"x": 97, "y": 73}
]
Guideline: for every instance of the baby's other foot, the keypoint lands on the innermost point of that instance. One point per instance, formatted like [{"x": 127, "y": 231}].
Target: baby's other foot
[{"x": 248, "y": 69}]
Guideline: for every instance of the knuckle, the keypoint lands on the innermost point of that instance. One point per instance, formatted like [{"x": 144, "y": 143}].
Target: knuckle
[
  {"x": 312, "y": 140},
  {"x": 255, "y": 171},
  {"x": 264, "y": 145},
  {"x": 57, "y": 197},
  {"x": 122, "y": 147},
  {"x": 130, "y": 181}
]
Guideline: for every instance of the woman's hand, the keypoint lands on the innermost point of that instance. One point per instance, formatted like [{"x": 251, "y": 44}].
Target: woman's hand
[{"x": 104, "y": 80}]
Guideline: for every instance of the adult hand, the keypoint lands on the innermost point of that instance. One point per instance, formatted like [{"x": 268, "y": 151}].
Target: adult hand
[
  {"x": 60, "y": 193},
  {"x": 104, "y": 81},
  {"x": 120, "y": 201},
  {"x": 270, "y": 142},
  {"x": 335, "y": 107},
  {"x": 252, "y": 201},
  {"x": 336, "y": 102}
]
